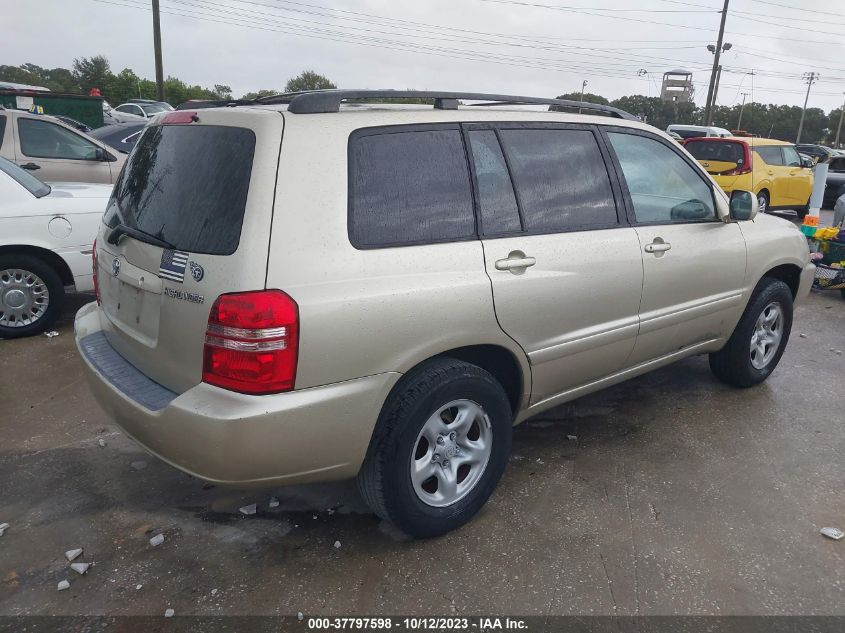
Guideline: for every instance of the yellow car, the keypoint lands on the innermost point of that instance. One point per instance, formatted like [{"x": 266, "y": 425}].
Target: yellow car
[{"x": 770, "y": 168}]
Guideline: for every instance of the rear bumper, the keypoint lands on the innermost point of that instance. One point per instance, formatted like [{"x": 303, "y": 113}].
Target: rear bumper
[
  {"x": 807, "y": 277},
  {"x": 316, "y": 434}
]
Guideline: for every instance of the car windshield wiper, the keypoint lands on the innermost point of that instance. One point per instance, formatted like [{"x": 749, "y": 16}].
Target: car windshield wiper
[{"x": 123, "y": 229}]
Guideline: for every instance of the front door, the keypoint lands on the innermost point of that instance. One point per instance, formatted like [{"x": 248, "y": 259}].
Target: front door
[
  {"x": 693, "y": 263},
  {"x": 566, "y": 273},
  {"x": 800, "y": 182},
  {"x": 776, "y": 173},
  {"x": 56, "y": 154}
]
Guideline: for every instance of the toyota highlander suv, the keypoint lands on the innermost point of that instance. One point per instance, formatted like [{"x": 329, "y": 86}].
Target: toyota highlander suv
[{"x": 317, "y": 286}]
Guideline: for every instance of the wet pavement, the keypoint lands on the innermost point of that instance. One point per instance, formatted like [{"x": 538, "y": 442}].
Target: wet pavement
[{"x": 679, "y": 496}]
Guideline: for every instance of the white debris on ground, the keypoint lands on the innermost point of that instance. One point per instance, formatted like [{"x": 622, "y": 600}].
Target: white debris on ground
[
  {"x": 300, "y": 616},
  {"x": 169, "y": 613},
  {"x": 274, "y": 503},
  {"x": 250, "y": 509},
  {"x": 337, "y": 544},
  {"x": 214, "y": 592},
  {"x": 80, "y": 568},
  {"x": 330, "y": 511},
  {"x": 101, "y": 442},
  {"x": 832, "y": 532},
  {"x": 572, "y": 438},
  {"x": 51, "y": 334},
  {"x": 63, "y": 584},
  {"x": 157, "y": 540},
  {"x": 138, "y": 587},
  {"x": 73, "y": 554},
  {"x": 6, "y": 526}
]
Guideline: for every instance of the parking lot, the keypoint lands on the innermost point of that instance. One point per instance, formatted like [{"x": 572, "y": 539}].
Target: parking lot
[{"x": 669, "y": 494}]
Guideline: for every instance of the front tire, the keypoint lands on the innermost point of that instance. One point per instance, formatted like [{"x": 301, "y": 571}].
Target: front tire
[
  {"x": 439, "y": 448},
  {"x": 31, "y": 295},
  {"x": 759, "y": 339}
]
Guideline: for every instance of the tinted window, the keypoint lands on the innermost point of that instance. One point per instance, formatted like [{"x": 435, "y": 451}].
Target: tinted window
[
  {"x": 560, "y": 178},
  {"x": 791, "y": 157},
  {"x": 187, "y": 185},
  {"x": 41, "y": 139},
  {"x": 770, "y": 154},
  {"x": 499, "y": 213},
  {"x": 2, "y": 129},
  {"x": 663, "y": 186},
  {"x": 24, "y": 178},
  {"x": 409, "y": 187},
  {"x": 717, "y": 151}
]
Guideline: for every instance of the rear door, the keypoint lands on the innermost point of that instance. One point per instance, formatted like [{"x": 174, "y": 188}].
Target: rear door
[
  {"x": 778, "y": 174},
  {"x": 693, "y": 263},
  {"x": 566, "y": 274},
  {"x": 204, "y": 184},
  {"x": 55, "y": 153}
]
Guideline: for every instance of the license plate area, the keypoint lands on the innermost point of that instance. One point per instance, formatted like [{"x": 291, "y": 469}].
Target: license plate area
[{"x": 132, "y": 302}]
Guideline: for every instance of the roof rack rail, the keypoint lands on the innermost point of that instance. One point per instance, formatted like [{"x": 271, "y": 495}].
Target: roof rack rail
[{"x": 321, "y": 101}]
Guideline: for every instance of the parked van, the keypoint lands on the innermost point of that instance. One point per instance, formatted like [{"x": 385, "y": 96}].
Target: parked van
[
  {"x": 770, "y": 168},
  {"x": 696, "y": 131},
  {"x": 299, "y": 289}
]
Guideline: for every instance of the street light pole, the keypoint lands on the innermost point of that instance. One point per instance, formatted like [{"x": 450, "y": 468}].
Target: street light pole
[
  {"x": 741, "y": 108},
  {"x": 708, "y": 111},
  {"x": 839, "y": 127},
  {"x": 157, "y": 47},
  {"x": 583, "y": 85},
  {"x": 810, "y": 78}
]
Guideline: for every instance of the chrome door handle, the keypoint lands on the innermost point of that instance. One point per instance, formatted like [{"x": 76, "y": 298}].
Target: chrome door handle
[
  {"x": 657, "y": 247},
  {"x": 515, "y": 261}
]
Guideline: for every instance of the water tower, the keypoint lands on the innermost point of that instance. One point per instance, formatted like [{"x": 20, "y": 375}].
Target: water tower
[{"x": 677, "y": 86}]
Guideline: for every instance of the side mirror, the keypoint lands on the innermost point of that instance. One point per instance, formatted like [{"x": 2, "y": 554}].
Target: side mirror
[
  {"x": 743, "y": 205},
  {"x": 807, "y": 162}
]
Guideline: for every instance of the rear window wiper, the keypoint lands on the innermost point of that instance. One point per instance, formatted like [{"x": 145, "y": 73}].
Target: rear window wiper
[{"x": 122, "y": 229}]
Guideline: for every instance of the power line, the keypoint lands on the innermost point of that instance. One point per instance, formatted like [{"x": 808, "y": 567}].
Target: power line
[{"x": 794, "y": 8}]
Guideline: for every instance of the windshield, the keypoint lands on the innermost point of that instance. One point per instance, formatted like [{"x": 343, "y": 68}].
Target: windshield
[
  {"x": 24, "y": 178},
  {"x": 153, "y": 108},
  {"x": 716, "y": 151},
  {"x": 187, "y": 186}
]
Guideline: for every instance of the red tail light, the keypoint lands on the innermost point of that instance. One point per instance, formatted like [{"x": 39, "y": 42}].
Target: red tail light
[
  {"x": 179, "y": 118},
  {"x": 94, "y": 266},
  {"x": 252, "y": 342}
]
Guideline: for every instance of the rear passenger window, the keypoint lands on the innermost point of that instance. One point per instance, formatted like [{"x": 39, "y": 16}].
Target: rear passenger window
[
  {"x": 791, "y": 157},
  {"x": 560, "y": 178},
  {"x": 770, "y": 154},
  {"x": 409, "y": 188},
  {"x": 2, "y": 129},
  {"x": 496, "y": 200}
]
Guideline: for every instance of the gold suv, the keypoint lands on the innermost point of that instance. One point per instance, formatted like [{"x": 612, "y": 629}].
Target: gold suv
[{"x": 302, "y": 289}]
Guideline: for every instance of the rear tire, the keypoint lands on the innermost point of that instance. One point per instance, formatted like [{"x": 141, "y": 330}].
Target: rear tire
[
  {"x": 803, "y": 211},
  {"x": 427, "y": 488},
  {"x": 763, "y": 201},
  {"x": 759, "y": 339},
  {"x": 31, "y": 295}
]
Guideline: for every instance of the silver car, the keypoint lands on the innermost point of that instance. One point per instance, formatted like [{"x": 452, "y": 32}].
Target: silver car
[{"x": 303, "y": 289}]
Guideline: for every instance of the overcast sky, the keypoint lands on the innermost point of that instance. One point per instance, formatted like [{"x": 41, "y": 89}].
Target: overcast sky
[{"x": 537, "y": 47}]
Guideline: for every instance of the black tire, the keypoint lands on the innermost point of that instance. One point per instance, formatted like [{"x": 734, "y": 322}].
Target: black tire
[
  {"x": 733, "y": 364},
  {"x": 55, "y": 290},
  {"x": 763, "y": 201},
  {"x": 385, "y": 480}
]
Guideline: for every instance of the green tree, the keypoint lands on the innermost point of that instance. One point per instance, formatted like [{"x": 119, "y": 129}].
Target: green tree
[
  {"x": 589, "y": 97},
  {"x": 260, "y": 93},
  {"x": 91, "y": 72},
  {"x": 222, "y": 91},
  {"x": 308, "y": 80}
]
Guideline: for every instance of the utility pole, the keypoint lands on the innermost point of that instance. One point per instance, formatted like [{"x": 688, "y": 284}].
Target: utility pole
[
  {"x": 157, "y": 46},
  {"x": 583, "y": 85},
  {"x": 708, "y": 112},
  {"x": 715, "y": 91},
  {"x": 810, "y": 78},
  {"x": 741, "y": 108},
  {"x": 839, "y": 128}
]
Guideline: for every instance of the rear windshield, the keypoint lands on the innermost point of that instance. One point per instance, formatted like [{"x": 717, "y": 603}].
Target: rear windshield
[
  {"x": 186, "y": 185},
  {"x": 717, "y": 151}
]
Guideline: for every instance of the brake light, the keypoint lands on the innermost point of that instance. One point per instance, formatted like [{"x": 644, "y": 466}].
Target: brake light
[
  {"x": 94, "y": 272},
  {"x": 179, "y": 118},
  {"x": 252, "y": 342}
]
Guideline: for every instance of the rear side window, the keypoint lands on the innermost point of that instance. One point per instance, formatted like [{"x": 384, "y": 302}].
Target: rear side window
[
  {"x": 409, "y": 188},
  {"x": 187, "y": 185},
  {"x": 560, "y": 178},
  {"x": 496, "y": 199},
  {"x": 720, "y": 151},
  {"x": 770, "y": 154},
  {"x": 2, "y": 129},
  {"x": 791, "y": 157}
]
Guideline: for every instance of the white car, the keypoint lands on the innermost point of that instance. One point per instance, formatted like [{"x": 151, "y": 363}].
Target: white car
[{"x": 46, "y": 238}]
